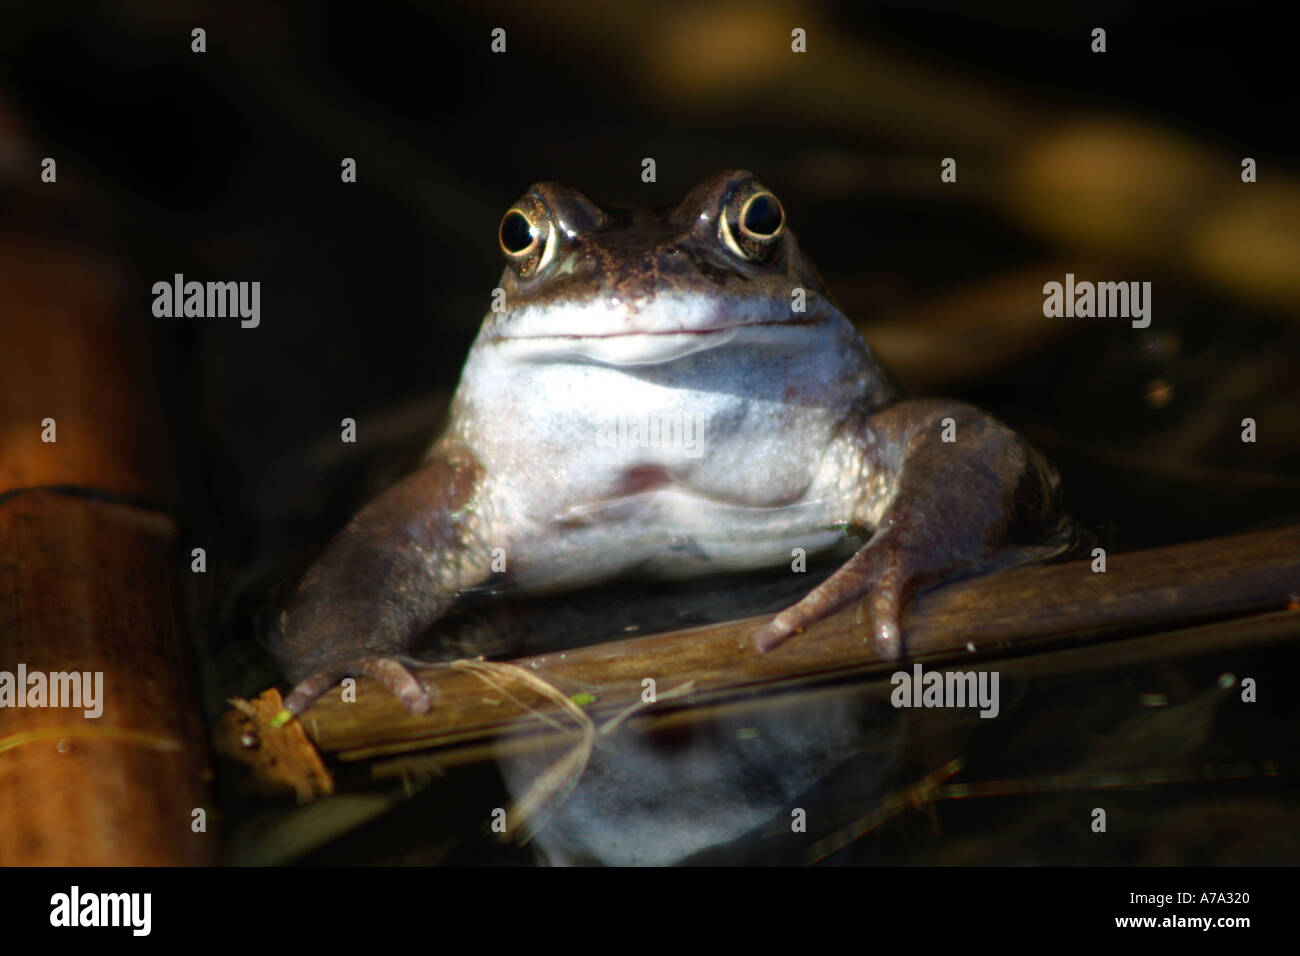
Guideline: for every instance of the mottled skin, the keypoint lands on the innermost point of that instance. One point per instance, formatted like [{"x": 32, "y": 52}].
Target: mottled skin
[{"x": 682, "y": 316}]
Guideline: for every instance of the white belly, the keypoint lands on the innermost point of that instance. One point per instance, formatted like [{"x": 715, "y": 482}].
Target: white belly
[{"x": 668, "y": 533}]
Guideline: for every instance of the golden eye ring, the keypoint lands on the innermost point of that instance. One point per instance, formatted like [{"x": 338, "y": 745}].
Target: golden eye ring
[
  {"x": 517, "y": 235},
  {"x": 762, "y": 218},
  {"x": 751, "y": 224},
  {"x": 528, "y": 241}
]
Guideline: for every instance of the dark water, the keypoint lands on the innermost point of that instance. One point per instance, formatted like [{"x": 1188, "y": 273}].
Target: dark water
[{"x": 226, "y": 166}]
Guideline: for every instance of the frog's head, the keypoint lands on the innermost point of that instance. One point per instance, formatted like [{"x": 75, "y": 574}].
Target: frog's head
[{"x": 626, "y": 286}]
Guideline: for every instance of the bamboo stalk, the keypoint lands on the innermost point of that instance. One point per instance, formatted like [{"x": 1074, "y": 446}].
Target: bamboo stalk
[{"x": 87, "y": 579}]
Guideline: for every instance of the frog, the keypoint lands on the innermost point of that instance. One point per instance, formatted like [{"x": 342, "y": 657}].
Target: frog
[{"x": 668, "y": 392}]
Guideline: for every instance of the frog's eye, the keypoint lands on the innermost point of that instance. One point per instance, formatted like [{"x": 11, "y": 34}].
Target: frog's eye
[
  {"x": 527, "y": 241},
  {"x": 517, "y": 235},
  {"x": 762, "y": 216},
  {"x": 751, "y": 224}
]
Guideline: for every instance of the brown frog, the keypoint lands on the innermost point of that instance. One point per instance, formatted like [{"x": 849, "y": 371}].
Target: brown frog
[{"x": 669, "y": 393}]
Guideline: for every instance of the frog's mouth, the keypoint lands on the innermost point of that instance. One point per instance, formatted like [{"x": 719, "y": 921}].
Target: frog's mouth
[
  {"x": 646, "y": 338},
  {"x": 655, "y": 347}
]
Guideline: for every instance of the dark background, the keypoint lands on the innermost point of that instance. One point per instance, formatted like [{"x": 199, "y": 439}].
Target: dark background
[{"x": 225, "y": 166}]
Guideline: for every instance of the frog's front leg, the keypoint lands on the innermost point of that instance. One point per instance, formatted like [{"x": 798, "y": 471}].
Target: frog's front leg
[
  {"x": 983, "y": 498},
  {"x": 385, "y": 578}
]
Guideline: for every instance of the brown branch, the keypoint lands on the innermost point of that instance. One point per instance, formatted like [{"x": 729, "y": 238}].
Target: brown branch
[{"x": 1061, "y": 608}]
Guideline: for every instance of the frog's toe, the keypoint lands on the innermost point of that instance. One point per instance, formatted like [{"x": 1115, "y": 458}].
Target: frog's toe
[
  {"x": 390, "y": 672},
  {"x": 887, "y": 600},
  {"x": 876, "y": 569},
  {"x": 776, "y": 631}
]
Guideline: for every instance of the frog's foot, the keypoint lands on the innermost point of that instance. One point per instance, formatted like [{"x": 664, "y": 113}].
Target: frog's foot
[
  {"x": 881, "y": 569},
  {"x": 389, "y": 671}
]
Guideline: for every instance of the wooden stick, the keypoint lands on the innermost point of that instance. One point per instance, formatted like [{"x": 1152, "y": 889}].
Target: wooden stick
[{"x": 1016, "y": 612}]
